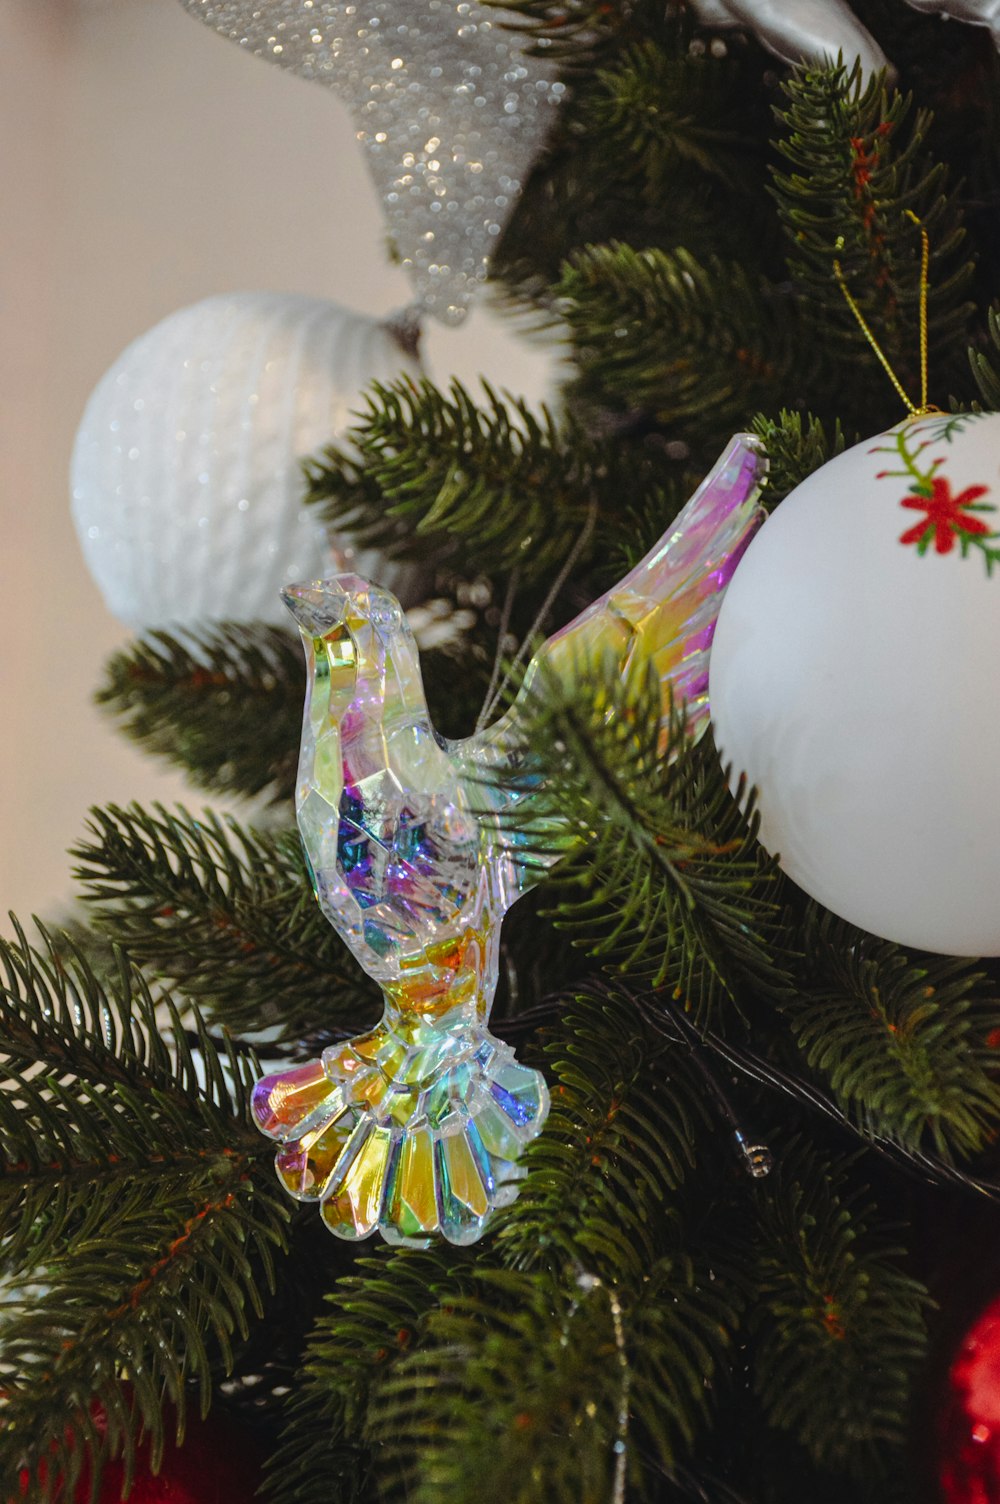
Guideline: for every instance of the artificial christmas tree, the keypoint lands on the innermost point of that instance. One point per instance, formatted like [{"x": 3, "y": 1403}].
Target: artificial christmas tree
[{"x": 769, "y": 1168}]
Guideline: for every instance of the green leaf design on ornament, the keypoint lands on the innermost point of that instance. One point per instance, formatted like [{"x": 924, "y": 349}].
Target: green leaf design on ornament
[{"x": 948, "y": 519}]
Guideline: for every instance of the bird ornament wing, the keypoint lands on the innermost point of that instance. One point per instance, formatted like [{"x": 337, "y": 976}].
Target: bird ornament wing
[
  {"x": 661, "y": 616},
  {"x": 416, "y": 1127}
]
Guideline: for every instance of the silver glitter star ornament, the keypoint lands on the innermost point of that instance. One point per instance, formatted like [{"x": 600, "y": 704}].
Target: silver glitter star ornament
[{"x": 451, "y": 110}]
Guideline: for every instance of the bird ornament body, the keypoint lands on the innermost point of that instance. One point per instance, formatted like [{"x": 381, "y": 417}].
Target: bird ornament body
[{"x": 416, "y": 1127}]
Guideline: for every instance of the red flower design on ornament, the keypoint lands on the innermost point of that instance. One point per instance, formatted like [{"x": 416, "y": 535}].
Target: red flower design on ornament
[
  {"x": 947, "y": 516},
  {"x": 948, "y": 519}
]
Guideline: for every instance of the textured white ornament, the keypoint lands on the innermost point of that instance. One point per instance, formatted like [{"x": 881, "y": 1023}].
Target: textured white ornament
[
  {"x": 187, "y": 491},
  {"x": 451, "y": 110},
  {"x": 824, "y": 31},
  {"x": 854, "y": 677}
]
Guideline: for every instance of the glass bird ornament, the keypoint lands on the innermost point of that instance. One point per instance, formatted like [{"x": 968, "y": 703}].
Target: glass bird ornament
[{"x": 416, "y": 1127}]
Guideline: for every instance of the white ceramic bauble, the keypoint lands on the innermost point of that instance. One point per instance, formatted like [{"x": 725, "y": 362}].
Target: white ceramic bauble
[
  {"x": 854, "y": 677},
  {"x": 187, "y": 491}
]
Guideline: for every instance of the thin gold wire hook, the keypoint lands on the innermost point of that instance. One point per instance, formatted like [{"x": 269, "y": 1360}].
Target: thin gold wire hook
[
  {"x": 925, "y": 258},
  {"x": 925, "y": 261}
]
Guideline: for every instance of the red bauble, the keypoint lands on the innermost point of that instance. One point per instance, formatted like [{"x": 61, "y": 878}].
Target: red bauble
[
  {"x": 970, "y": 1430},
  {"x": 219, "y": 1463}
]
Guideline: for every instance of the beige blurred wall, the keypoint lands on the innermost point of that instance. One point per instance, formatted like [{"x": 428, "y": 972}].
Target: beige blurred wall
[{"x": 146, "y": 164}]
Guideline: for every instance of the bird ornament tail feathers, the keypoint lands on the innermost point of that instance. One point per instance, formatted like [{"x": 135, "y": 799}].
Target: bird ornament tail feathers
[{"x": 416, "y": 1127}]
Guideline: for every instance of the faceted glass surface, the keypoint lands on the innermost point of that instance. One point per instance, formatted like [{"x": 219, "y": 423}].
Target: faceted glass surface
[{"x": 417, "y": 1126}]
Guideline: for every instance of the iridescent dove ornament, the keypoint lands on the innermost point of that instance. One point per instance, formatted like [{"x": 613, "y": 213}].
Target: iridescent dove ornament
[{"x": 416, "y": 1127}]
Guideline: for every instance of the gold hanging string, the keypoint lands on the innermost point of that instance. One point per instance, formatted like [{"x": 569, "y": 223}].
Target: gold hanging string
[
  {"x": 925, "y": 258},
  {"x": 925, "y": 261}
]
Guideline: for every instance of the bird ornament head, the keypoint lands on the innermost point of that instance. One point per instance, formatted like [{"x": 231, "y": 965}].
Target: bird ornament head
[{"x": 416, "y": 1128}]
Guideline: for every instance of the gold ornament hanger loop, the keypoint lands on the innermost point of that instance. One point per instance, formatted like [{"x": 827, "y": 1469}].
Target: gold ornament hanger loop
[{"x": 925, "y": 407}]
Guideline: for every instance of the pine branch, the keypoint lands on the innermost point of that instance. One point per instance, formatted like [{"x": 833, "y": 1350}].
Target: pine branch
[
  {"x": 515, "y": 1386},
  {"x": 372, "y": 1319},
  {"x": 986, "y": 364},
  {"x": 620, "y": 1138},
  {"x": 512, "y": 1394},
  {"x": 133, "y": 1180},
  {"x": 227, "y": 914},
  {"x": 840, "y": 1327},
  {"x": 442, "y": 477},
  {"x": 856, "y": 166},
  {"x": 796, "y": 444},
  {"x": 490, "y": 487},
  {"x": 224, "y": 704},
  {"x": 668, "y": 111},
  {"x": 55, "y": 1012},
  {"x": 415, "y": 1378},
  {"x": 128, "y": 1318},
  {"x": 95, "y": 1108},
  {"x": 673, "y": 884},
  {"x": 572, "y": 31},
  {"x": 635, "y": 153},
  {"x": 909, "y": 1049},
  {"x": 648, "y": 335},
  {"x": 583, "y": 31},
  {"x": 265, "y": 1372}
]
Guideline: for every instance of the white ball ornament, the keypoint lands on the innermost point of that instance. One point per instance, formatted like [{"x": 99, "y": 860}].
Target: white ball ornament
[
  {"x": 854, "y": 678},
  {"x": 187, "y": 491}
]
